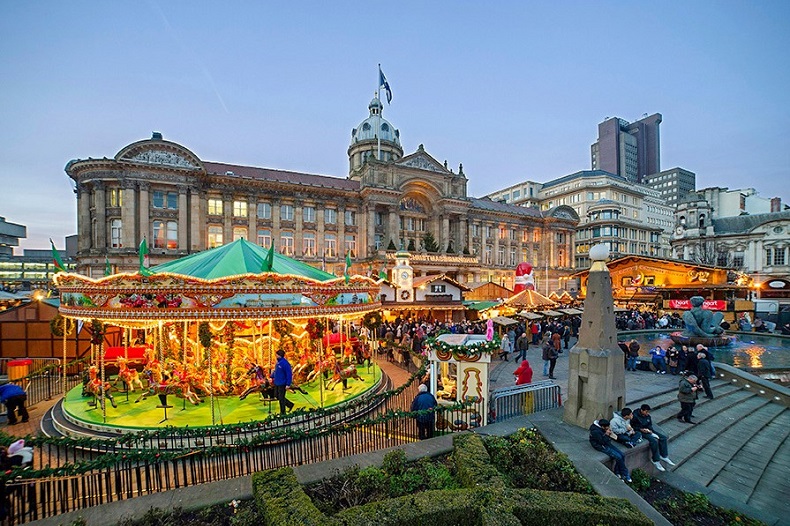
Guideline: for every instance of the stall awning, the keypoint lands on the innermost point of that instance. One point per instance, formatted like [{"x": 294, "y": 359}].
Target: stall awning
[
  {"x": 570, "y": 311},
  {"x": 551, "y": 313},
  {"x": 502, "y": 320},
  {"x": 529, "y": 315}
]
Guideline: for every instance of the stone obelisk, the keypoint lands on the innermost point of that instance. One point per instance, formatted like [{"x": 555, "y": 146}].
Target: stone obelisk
[{"x": 596, "y": 379}]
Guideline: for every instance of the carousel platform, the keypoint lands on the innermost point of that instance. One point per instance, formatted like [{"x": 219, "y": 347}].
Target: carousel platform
[{"x": 74, "y": 415}]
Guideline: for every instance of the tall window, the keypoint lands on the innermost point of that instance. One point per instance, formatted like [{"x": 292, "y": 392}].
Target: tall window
[
  {"x": 379, "y": 218},
  {"x": 779, "y": 256},
  {"x": 163, "y": 199},
  {"x": 286, "y": 213},
  {"x": 512, "y": 256},
  {"x": 330, "y": 216},
  {"x": 488, "y": 254},
  {"x": 116, "y": 233},
  {"x": 160, "y": 234},
  {"x": 502, "y": 232},
  {"x": 378, "y": 241},
  {"x": 351, "y": 245},
  {"x": 330, "y": 245},
  {"x": 172, "y": 235},
  {"x": 215, "y": 208},
  {"x": 264, "y": 211},
  {"x": 501, "y": 256},
  {"x": 116, "y": 197},
  {"x": 265, "y": 238},
  {"x": 240, "y": 232},
  {"x": 214, "y": 236},
  {"x": 350, "y": 217},
  {"x": 308, "y": 214},
  {"x": 166, "y": 234},
  {"x": 308, "y": 245},
  {"x": 240, "y": 208},
  {"x": 287, "y": 243}
]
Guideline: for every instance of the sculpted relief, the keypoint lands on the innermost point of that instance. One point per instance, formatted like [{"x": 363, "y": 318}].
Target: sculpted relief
[{"x": 162, "y": 157}]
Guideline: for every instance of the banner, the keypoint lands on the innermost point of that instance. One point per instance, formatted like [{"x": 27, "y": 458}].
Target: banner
[{"x": 707, "y": 304}]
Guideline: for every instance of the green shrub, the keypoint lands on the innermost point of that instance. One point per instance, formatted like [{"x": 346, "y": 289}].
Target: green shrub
[
  {"x": 473, "y": 464},
  {"x": 394, "y": 462},
  {"x": 641, "y": 480},
  {"x": 281, "y": 501},
  {"x": 694, "y": 503}
]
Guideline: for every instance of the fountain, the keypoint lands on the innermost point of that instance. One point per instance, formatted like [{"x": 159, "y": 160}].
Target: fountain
[{"x": 702, "y": 326}]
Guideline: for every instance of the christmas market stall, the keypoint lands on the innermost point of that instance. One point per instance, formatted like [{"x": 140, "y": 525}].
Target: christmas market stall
[{"x": 200, "y": 336}]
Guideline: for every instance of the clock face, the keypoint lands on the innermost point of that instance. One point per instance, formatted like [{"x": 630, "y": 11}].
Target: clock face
[
  {"x": 679, "y": 230},
  {"x": 404, "y": 275}
]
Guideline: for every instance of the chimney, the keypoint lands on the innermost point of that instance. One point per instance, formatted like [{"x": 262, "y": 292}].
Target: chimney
[{"x": 776, "y": 204}]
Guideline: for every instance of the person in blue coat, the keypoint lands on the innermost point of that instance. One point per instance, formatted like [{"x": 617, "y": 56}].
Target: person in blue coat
[
  {"x": 14, "y": 398},
  {"x": 282, "y": 379},
  {"x": 424, "y": 401}
]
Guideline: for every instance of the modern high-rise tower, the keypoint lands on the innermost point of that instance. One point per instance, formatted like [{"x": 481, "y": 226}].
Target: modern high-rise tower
[{"x": 629, "y": 149}]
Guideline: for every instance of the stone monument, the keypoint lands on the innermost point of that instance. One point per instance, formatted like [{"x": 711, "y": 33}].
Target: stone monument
[{"x": 596, "y": 379}]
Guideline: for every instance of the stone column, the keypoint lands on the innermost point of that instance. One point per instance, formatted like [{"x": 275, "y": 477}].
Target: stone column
[
  {"x": 100, "y": 214},
  {"x": 393, "y": 229},
  {"x": 341, "y": 232},
  {"x": 183, "y": 221},
  {"x": 463, "y": 236},
  {"x": 227, "y": 218},
  {"x": 320, "y": 241},
  {"x": 252, "y": 214},
  {"x": 445, "y": 237},
  {"x": 276, "y": 224},
  {"x": 144, "y": 215},
  {"x": 596, "y": 379},
  {"x": 370, "y": 233},
  {"x": 198, "y": 238},
  {"x": 84, "y": 239},
  {"x": 128, "y": 213},
  {"x": 495, "y": 255},
  {"x": 298, "y": 230}
]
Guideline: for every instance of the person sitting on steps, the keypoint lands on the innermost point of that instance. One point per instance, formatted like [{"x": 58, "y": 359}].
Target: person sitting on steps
[{"x": 659, "y": 452}]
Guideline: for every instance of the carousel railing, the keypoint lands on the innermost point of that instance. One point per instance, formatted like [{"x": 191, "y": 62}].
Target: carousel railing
[
  {"x": 41, "y": 378},
  {"x": 123, "y": 474}
]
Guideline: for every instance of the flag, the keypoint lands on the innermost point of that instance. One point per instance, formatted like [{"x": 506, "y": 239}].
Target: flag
[
  {"x": 107, "y": 267},
  {"x": 268, "y": 263},
  {"x": 383, "y": 272},
  {"x": 384, "y": 84},
  {"x": 347, "y": 271},
  {"x": 144, "y": 261},
  {"x": 59, "y": 267}
]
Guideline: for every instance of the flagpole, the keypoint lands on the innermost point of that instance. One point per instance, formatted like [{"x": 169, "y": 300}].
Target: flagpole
[{"x": 378, "y": 119}]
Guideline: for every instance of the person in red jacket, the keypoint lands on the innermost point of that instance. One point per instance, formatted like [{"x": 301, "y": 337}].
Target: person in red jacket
[{"x": 523, "y": 374}]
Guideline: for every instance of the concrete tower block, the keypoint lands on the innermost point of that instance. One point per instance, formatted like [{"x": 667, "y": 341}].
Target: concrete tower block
[{"x": 596, "y": 380}]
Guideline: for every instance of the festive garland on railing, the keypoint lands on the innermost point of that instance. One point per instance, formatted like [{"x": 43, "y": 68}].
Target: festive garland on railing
[{"x": 475, "y": 349}]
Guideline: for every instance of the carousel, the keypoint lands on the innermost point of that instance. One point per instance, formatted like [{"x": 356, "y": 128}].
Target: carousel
[{"x": 193, "y": 342}]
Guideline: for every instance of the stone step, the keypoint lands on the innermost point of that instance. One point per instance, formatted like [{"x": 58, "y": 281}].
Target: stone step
[
  {"x": 666, "y": 417},
  {"x": 714, "y": 422},
  {"x": 747, "y": 467},
  {"x": 670, "y": 395},
  {"x": 774, "y": 486},
  {"x": 707, "y": 463}
]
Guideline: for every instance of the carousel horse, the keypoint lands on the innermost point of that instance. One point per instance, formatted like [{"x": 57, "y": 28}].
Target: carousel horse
[
  {"x": 260, "y": 383},
  {"x": 342, "y": 375},
  {"x": 100, "y": 390},
  {"x": 161, "y": 386},
  {"x": 128, "y": 376}
]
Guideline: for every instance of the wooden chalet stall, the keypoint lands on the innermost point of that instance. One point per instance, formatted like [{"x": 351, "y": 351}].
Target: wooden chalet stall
[{"x": 667, "y": 284}]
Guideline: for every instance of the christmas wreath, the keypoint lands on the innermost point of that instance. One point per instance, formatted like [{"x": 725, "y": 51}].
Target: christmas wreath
[
  {"x": 405, "y": 294},
  {"x": 372, "y": 320},
  {"x": 56, "y": 325}
]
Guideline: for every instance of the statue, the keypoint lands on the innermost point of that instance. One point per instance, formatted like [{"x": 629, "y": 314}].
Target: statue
[{"x": 702, "y": 326}]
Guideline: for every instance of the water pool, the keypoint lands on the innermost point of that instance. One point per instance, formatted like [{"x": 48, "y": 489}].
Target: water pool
[{"x": 750, "y": 351}]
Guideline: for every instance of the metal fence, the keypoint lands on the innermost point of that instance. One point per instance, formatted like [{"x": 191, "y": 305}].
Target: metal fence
[
  {"x": 42, "y": 378},
  {"x": 517, "y": 400}
]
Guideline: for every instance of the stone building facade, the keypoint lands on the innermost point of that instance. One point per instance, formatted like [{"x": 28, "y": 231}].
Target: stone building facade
[{"x": 160, "y": 190}]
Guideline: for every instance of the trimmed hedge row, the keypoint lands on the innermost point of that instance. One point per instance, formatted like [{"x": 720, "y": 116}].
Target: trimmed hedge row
[
  {"x": 281, "y": 501},
  {"x": 473, "y": 464}
]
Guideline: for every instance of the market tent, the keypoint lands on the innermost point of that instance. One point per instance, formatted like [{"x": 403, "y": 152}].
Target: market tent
[
  {"x": 551, "y": 313},
  {"x": 620, "y": 309},
  {"x": 238, "y": 258},
  {"x": 570, "y": 311},
  {"x": 529, "y": 299},
  {"x": 529, "y": 315},
  {"x": 502, "y": 320},
  {"x": 480, "y": 305}
]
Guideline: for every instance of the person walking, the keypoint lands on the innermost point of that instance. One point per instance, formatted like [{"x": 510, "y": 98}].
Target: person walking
[
  {"x": 505, "y": 348},
  {"x": 14, "y": 398},
  {"x": 659, "y": 450},
  {"x": 545, "y": 354},
  {"x": 601, "y": 437},
  {"x": 550, "y": 354},
  {"x": 523, "y": 374},
  {"x": 282, "y": 378},
  {"x": 566, "y": 335},
  {"x": 424, "y": 401},
  {"x": 705, "y": 373},
  {"x": 687, "y": 396},
  {"x": 522, "y": 346}
]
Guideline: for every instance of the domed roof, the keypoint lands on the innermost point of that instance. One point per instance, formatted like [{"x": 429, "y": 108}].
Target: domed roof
[{"x": 375, "y": 126}]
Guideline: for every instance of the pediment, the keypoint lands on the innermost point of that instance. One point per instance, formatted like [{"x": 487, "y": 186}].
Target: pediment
[
  {"x": 160, "y": 153},
  {"x": 423, "y": 161}
]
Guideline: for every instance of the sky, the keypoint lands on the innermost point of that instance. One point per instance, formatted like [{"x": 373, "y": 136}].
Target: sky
[{"x": 512, "y": 90}]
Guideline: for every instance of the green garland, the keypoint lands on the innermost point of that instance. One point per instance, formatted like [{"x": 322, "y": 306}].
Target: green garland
[
  {"x": 476, "y": 349},
  {"x": 56, "y": 325}
]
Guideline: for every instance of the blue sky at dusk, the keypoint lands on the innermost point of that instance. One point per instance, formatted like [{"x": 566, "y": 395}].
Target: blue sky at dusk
[{"x": 513, "y": 90}]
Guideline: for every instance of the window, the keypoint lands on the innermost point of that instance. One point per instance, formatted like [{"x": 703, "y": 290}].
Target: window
[
  {"x": 264, "y": 211},
  {"x": 488, "y": 253},
  {"x": 737, "y": 260},
  {"x": 265, "y": 238},
  {"x": 525, "y": 236},
  {"x": 438, "y": 289},
  {"x": 240, "y": 232},
  {"x": 350, "y": 218},
  {"x": 500, "y": 256},
  {"x": 286, "y": 213},
  {"x": 116, "y": 197},
  {"x": 287, "y": 243},
  {"x": 215, "y": 208},
  {"x": 214, "y": 235},
  {"x": 502, "y": 232},
  {"x": 240, "y": 208},
  {"x": 165, "y": 199},
  {"x": 330, "y": 245},
  {"x": 308, "y": 214},
  {"x": 351, "y": 245},
  {"x": 116, "y": 233},
  {"x": 779, "y": 256},
  {"x": 378, "y": 241},
  {"x": 536, "y": 236},
  {"x": 330, "y": 216},
  {"x": 172, "y": 235},
  {"x": 160, "y": 234},
  {"x": 512, "y": 256},
  {"x": 379, "y": 219},
  {"x": 488, "y": 232},
  {"x": 308, "y": 245}
]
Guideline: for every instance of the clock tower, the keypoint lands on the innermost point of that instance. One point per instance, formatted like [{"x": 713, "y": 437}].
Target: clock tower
[{"x": 403, "y": 278}]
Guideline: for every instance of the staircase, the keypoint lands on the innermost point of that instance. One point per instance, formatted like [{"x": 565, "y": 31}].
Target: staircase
[{"x": 739, "y": 447}]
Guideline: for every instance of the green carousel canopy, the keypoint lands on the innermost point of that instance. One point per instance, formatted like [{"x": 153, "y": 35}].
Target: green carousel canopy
[{"x": 221, "y": 283}]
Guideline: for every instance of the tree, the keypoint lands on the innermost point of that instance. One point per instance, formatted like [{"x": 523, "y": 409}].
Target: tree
[
  {"x": 392, "y": 246},
  {"x": 430, "y": 243}
]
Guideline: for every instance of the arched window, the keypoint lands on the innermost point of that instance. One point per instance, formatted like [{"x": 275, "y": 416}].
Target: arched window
[{"x": 702, "y": 220}]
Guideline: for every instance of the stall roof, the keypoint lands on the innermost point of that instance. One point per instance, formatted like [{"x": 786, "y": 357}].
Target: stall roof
[
  {"x": 503, "y": 320},
  {"x": 570, "y": 311},
  {"x": 529, "y": 299},
  {"x": 529, "y": 315},
  {"x": 480, "y": 305},
  {"x": 551, "y": 313}
]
